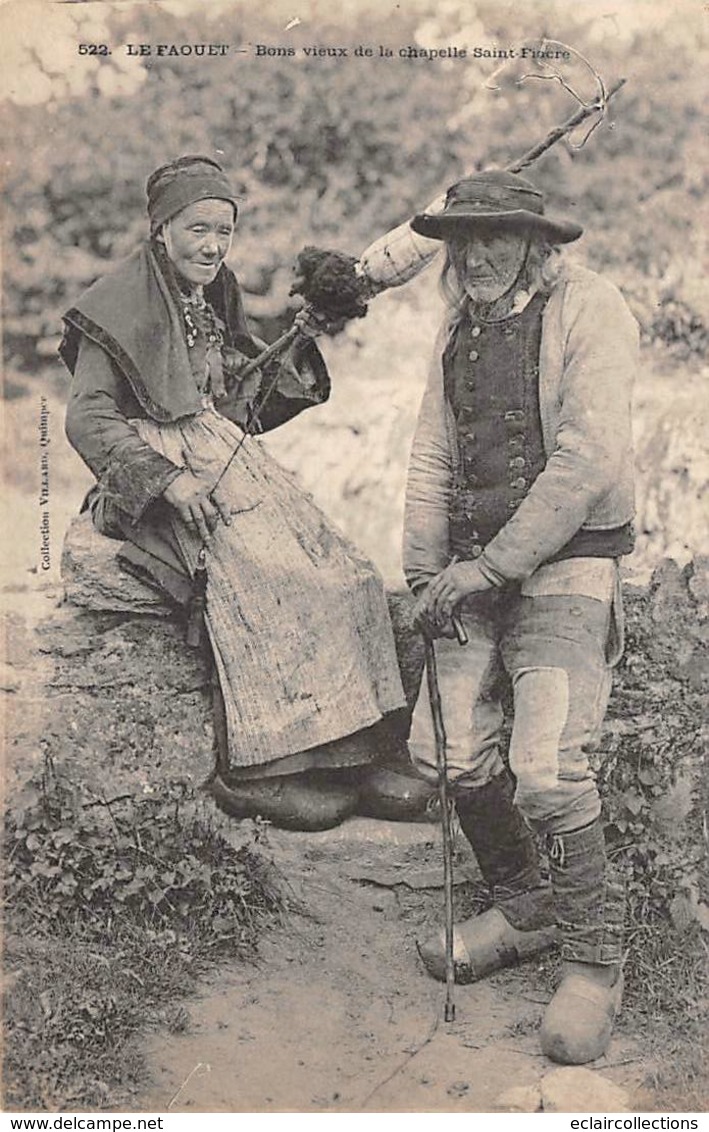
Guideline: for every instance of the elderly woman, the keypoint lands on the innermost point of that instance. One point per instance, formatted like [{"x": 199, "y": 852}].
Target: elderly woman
[
  {"x": 297, "y": 619},
  {"x": 519, "y": 505}
]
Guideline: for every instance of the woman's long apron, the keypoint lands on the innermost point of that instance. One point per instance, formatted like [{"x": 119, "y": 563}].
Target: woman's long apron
[{"x": 297, "y": 618}]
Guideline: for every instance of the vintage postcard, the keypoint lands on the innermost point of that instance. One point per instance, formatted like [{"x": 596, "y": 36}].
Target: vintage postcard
[{"x": 355, "y": 556}]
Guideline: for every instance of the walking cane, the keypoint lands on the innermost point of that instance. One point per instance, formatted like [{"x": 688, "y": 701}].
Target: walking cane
[{"x": 439, "y": 733}]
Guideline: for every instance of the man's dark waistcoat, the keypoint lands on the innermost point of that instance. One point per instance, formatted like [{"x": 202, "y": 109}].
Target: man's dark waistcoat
[{"x": 491, "y": 379}]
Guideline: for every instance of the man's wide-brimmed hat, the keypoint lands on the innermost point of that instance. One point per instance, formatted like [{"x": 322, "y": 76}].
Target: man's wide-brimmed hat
[{"x": 495, "y": 199}]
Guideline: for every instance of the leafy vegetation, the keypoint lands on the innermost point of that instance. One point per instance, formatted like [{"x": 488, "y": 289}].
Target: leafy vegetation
[
  {"x": 114, "y": 909},
  {"x": 333, "y": 151},
  {"x": 650, "y": 776}
]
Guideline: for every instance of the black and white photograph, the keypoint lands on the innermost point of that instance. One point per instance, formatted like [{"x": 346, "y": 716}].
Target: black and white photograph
[{"x": 355, "y": 574}]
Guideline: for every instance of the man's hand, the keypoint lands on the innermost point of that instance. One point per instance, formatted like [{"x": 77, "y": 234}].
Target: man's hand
[
  {"x": 191, "y": 499},
  {"x": 426, "y": 620},
  {"x": 448, "y": 589},
  {"x": 428, "y": 624}
]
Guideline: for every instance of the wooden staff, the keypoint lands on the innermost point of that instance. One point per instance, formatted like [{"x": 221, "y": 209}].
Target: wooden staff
[
  {"x": 439, "y": 734},
  {"x": 558, "y": 132}
]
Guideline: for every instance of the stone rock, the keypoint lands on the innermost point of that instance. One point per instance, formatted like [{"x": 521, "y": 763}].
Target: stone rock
[
  {"x": 680, "y": 634},
  {"x": 671, "y": 809},
  {"x": 670, "y": 605},
  {"x": 409, "y": 644},
  {"x": 93, "y": 578},
  {"x": 671, "y": 513},
  {"x": 118, "y": 703},
  {"x": 9, "y": 679},
  {"x": 521, "y": 1098},
  {"x": 698, "y": 585},
  {"x": 572, "y": 1089}
]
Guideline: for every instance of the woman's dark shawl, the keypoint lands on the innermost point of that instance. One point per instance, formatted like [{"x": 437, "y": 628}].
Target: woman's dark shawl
[{"x": 132, "y": 315}]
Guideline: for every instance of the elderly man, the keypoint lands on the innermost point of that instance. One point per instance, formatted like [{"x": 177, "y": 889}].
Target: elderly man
[{"x": 519, "y": 505}]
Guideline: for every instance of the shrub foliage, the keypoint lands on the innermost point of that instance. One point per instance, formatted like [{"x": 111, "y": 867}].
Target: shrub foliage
[{"x": 333, "y": 150}]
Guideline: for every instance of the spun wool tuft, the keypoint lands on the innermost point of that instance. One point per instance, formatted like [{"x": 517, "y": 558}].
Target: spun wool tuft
[{"x": 327, "y": 280}]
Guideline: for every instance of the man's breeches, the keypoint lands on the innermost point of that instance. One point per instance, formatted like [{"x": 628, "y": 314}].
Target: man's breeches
[{"x": 554, "y": 648}]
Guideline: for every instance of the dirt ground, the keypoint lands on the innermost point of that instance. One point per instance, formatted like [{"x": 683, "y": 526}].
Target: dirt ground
[{"x": 340, "y": 1015}]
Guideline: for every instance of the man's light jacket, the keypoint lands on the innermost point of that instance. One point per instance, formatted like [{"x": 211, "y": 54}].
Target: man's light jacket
[{"x": 588, "y": 359}]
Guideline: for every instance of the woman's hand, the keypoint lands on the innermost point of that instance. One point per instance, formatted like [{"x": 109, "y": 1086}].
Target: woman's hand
[
  {"x": 312, "y": 323},
  {"x": 191, "y": 499},
  {"x": 447, "y": 589}
]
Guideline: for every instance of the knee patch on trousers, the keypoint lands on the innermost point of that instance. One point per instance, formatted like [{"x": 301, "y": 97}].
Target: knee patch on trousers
[{"x": 541, "y": 711}]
